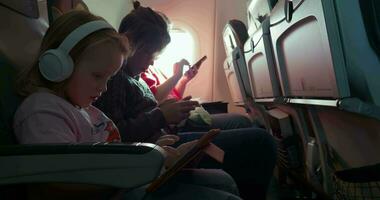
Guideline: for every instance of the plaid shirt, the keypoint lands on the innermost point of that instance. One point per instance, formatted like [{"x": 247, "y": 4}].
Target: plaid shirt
[{"x": 131, "y": 105}]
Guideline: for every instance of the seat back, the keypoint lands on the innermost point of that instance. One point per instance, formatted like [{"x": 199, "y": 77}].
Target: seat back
[
  {"x": 328, "y": 65},
  {"x": 258, "y": 52},
  {"x": 234, "y": 36},
  {"x": 357, "y": 118},
  {"x": 21, "y": 35},
  {"x": 359, "y": 31},
  {"x": 288, "y": 123},
  {"x": 309, "y": 68},
  {"x": 58, "y": 7},
  {"x": 21, "y": 32},
  {"x": 306, "y": 67},
  {"x": 261, "y": 64},
  {"x": 232, "y": 81}
]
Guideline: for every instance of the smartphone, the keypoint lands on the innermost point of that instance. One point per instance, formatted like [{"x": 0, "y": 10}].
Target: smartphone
[{"x": 199, "y": 62}]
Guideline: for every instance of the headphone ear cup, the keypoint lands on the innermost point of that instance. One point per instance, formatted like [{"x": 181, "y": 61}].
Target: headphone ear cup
[{"x": 55, "y": 65}]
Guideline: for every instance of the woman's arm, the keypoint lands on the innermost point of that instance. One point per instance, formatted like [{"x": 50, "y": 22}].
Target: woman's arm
[
  {"x": 120, "y": 103},
  {"x": 182, "y": 83},
  {"x": 164, "y": 89},
  {"x": 177, "y": 81}
]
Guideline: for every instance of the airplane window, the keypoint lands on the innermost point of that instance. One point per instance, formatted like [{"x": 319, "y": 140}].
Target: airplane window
[{"x": 181, "y": 46}]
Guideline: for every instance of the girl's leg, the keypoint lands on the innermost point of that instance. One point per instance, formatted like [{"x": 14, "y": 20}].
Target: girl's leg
[
  {"x": 176, "y": 191},
  {"x": 211, "y": 178}
]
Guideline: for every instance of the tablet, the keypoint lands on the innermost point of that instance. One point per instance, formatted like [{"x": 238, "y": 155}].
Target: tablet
[{"x": 185, "y": 159}]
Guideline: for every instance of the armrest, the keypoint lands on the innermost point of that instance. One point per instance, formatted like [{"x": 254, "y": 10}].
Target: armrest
[
  {"x": 116, "y": 165},
  {"x": 215, "y": 107}
]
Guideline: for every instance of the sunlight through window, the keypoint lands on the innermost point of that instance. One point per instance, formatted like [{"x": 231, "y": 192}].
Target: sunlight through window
[{"x": 181, "y": 46}]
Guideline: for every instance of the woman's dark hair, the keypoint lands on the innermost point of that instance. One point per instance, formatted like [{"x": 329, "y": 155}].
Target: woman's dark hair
[
  {"x": 136, "y": 4},
  {"x": 145, "y": 28}
]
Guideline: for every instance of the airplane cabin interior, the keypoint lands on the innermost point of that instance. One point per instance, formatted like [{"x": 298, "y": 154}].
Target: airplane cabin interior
[{"x": 306, "y": 71}]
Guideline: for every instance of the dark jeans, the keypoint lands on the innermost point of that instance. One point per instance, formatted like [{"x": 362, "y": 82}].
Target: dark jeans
[
  {"x": 223, "y": 121},
  {"x": 250, "y": 156}
]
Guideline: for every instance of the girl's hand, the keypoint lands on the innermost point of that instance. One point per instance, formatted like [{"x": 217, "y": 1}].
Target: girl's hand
[
  {"x": 167, "y": 140},
  {"x": 175, "y": 154},
  {"x": 185, "y": 147},
  {"x": 171, "y": 152}
]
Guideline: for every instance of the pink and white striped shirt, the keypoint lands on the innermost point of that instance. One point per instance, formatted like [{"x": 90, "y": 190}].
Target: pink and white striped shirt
[{"x": 46, "y": 118}]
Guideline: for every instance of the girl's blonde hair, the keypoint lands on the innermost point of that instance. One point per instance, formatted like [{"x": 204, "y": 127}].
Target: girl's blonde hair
[{"x": 31, "y": 79}]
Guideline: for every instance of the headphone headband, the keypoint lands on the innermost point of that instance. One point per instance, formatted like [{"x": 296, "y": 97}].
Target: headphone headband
[
  {"x": 81, "y": 32},
  {"x": 56, "y": 64}
]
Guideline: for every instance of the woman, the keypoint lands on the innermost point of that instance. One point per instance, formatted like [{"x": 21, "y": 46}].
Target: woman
[{"x": 250, "y": 153}]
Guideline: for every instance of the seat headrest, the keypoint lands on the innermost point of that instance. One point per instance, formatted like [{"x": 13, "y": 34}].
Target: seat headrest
[
  {"x": 28, "y": 8},
  {"x": 240, "y": 30},
  {"x": 20, "y": 35},
  {"x": 60, "y": 7},
  {"x": 234, "y": 35}
]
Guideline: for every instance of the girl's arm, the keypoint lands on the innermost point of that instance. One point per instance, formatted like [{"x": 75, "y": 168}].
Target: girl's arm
[{"x": 45, "y": 127}]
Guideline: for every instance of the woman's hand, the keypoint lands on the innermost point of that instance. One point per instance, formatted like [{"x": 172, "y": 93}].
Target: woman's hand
[
  {"x": 189, "y": 74},
  {"x": 175, "y": 111},
  {"x": 178, "y": 68},
  {"x": 178, "y": 71}
]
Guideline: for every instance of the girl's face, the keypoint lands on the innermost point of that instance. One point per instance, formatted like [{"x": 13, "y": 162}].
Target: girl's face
[{"x": 97, "y": 64}]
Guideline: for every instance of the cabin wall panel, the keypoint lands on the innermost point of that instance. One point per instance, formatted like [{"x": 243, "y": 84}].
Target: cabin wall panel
[{"x": 113, "y": 11}]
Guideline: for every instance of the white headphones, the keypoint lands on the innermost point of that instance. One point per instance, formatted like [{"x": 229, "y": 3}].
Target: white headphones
[{"x": 57, "y": 65}]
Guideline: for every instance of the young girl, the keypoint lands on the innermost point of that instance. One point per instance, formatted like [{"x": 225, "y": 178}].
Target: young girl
[{"x": 79, "y": 54}]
